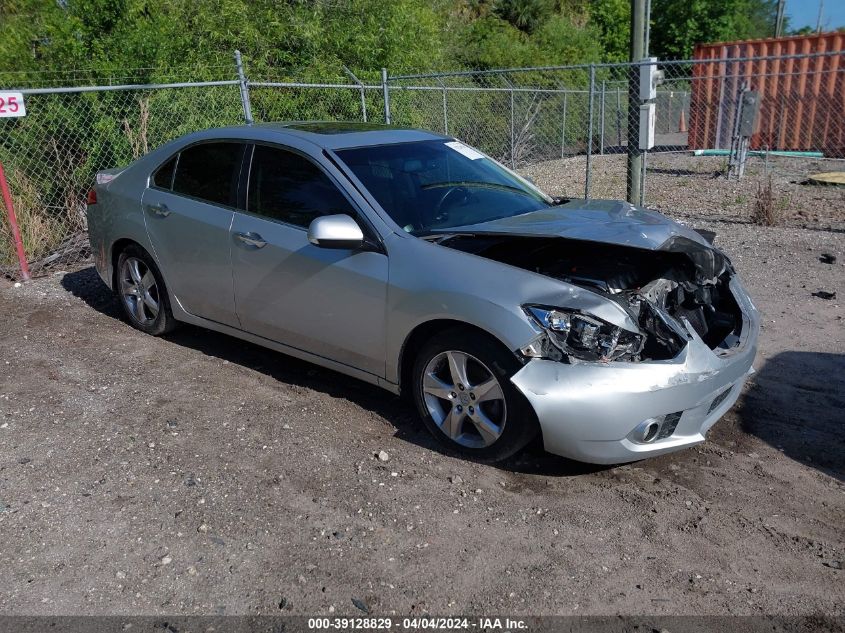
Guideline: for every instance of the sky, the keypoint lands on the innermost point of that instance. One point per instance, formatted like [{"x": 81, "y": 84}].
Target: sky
[{"x": 806, "y": 13}]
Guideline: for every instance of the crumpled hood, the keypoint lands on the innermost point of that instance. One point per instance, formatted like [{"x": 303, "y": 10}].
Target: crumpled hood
[{"x": 610, "y": 221}]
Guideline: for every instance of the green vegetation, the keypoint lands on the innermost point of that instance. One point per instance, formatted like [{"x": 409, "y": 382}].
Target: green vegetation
[
  {"x": 678, "y": 26},
  {"x": 317, "y": 37}
]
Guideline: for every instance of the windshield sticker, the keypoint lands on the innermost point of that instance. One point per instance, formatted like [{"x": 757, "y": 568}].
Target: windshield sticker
[{"x": 465, "y": 150}]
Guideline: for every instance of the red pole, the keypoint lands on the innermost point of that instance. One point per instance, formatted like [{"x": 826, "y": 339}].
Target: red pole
[{"x": 13, "y": 223}]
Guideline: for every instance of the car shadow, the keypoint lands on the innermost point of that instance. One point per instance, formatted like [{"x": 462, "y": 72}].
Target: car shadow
[
  {"x": 796, "y": 404},
  {"x": 87, "y": 286}
]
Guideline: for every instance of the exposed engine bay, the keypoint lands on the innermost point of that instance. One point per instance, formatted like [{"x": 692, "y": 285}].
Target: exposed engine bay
[{"x": 660, "y": 289}]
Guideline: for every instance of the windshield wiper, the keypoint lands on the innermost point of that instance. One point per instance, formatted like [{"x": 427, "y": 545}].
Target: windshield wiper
[
  {"x": 442, "y": 235},
  {"x": 477, "y": 184}
]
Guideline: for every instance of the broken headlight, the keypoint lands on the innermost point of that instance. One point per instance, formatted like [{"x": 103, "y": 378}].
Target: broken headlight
[{"x": 576, "y": 335}]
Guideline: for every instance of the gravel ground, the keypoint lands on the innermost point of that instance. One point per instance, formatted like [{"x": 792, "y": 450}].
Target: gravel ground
[
  {"x": 692, "y": 186},
  {"x": 199, "y": 474}
]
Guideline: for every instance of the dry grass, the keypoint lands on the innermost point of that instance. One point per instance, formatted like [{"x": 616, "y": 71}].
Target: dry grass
[
  {"x": 766, "y": 211},
  {"x": 39, "y": 231},
  {"x": 139, "y": 137},
  {"x": 523, "y": 146}
]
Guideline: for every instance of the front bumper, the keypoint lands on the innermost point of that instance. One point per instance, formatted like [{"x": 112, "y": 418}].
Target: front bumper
[{"x": 589, "y": 411}]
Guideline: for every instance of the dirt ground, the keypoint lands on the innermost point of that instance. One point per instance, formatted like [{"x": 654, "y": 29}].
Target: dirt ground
[
  {"x": 199, "y": 474},
  {"x": 694, "y": 187}
]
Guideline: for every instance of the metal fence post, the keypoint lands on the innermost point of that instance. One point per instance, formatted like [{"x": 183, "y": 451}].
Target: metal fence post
[
  {"x": 601, "y": 114},
  {"x": 445, "y": 108},
  {"x": 643, "y": 180},
  {"x": 13, "y": 225},
  {"x": 563, "y": 128},
  {"x": 244, "y": 88},
  {"x": 590, "y": 133},
  {"x": 363, "y": 97},
  {"x": 513, "y": 131},
  {"x": 618, "y": 117},
  {"x": 721, "y": 113},
  {"x": 639, "y": 51},
  {"x": 386, "y": 92}
]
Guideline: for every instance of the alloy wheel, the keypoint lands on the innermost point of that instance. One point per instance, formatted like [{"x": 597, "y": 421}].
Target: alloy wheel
[
  {"x": 139, "y": 291},
  {"x": 464, "y": 398}
]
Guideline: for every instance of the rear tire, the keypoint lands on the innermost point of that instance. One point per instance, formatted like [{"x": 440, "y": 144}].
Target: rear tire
[
  {"x": 142, "y": 293},
  {"x": 462, "y": 390}
]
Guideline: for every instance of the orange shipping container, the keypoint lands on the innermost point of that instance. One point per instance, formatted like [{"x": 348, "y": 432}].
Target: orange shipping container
[{"x": 801, "y": 83}]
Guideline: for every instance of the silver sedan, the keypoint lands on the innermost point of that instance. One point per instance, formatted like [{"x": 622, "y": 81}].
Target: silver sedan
[{"x": 415, "y": 262}]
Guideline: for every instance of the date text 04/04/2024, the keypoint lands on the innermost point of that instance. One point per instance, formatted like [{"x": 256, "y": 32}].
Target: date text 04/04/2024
[{"x": 418, "y": 623}]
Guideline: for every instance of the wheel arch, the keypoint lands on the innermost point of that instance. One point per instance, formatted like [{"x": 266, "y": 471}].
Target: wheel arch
[
  {"x": 120, "y": 245},
  {"x": 422, "y": 333},
  {"x": 117, "y": 248}
]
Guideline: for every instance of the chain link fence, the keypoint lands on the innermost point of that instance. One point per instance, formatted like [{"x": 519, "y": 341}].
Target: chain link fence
[
  {"x": 566, "y": 127},
  {"x": 52, "y": 155}
]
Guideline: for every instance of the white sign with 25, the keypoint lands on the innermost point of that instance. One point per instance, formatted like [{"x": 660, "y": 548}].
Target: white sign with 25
[{"x": 11, "y": 105}]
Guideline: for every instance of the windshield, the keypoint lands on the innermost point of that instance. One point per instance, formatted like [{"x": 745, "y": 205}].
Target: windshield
[{"x": 432, "y": 185}]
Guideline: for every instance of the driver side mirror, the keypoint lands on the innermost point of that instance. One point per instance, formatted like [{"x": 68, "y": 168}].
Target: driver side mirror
[{"x": 335, "y": 231}]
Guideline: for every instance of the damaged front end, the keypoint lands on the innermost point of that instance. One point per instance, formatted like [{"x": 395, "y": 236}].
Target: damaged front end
[{"x": 682, "y": 286}]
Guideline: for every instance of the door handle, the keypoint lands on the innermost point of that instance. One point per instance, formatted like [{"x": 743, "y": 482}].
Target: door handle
[
  {"x": 251, "y": 239},
  {"x": 160, "y": 210}
]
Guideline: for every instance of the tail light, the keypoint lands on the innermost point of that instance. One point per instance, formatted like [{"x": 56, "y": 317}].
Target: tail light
[{"x": 92, "y": 196}]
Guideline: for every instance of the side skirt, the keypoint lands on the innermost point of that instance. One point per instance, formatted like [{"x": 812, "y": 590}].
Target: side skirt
[{"x": 181, "y": 315}]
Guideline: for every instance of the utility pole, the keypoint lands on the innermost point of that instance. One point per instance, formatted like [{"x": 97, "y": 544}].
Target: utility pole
[
  {"x": 821, "y": 12},
  {"x": 639, "y": 50},
  {"x": 779, "y": 19}
]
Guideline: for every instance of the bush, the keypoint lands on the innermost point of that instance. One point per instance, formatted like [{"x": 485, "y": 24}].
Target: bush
[{"x": 766, "y": 211}]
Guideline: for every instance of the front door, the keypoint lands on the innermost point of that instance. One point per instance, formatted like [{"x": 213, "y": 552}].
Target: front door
[
  {"x": 324, "y": 301},
  {"x": 188, "y": 215}
]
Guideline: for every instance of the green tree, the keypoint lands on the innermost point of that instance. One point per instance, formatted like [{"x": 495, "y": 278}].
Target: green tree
[
  {"x": 111, "y": 36},
  {"x": 612, "y": 20},
  {"x": 511, "y": 33},
  {"x": 526, "y": 15},
  {"x": 678, "y": 25}
]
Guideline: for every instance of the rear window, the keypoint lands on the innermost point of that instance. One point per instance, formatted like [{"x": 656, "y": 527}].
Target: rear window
[
  {"x": 163, "y": 177},
  {"x": 210, "y": 172}
]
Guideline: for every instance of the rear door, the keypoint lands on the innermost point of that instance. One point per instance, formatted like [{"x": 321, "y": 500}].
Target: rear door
[
  {"x": 325, "y": 301},
  {"x": 188, "y": 210}
]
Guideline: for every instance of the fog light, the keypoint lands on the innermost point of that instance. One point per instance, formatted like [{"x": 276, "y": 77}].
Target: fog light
[
  {"x": 647, "y": 430},
  {"x": 657, "y": 428}
]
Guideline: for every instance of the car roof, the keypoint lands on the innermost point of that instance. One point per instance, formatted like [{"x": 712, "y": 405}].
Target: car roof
[{"x": 328, "y": 134}]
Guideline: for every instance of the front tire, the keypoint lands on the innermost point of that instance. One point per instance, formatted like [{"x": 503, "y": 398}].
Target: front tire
[
  {"x": 142, "y": 293},
  {"x": 462, "y": 390}
]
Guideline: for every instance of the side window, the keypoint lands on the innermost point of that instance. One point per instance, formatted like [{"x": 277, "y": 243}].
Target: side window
[
  {"x": 210, "y": 171},
  {"x": 163, "y": 176},
  {"x": 287, "y": 187}
]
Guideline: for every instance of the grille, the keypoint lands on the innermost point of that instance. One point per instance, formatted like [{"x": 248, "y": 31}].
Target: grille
[{"x": 719, "y": 400}]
